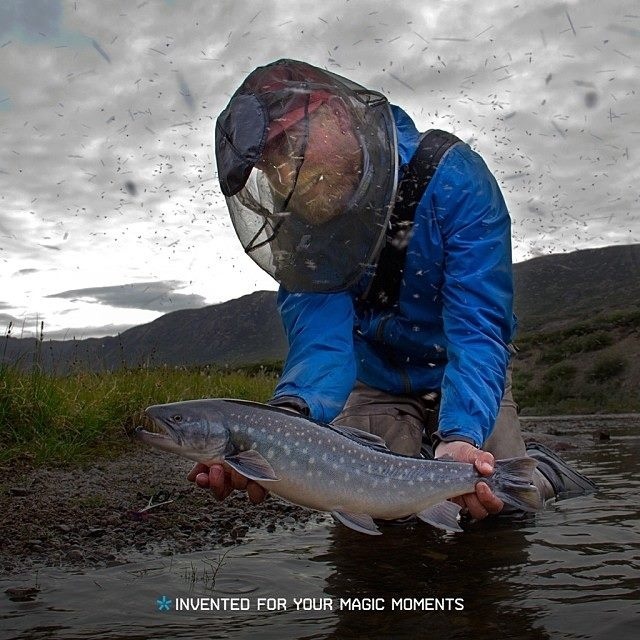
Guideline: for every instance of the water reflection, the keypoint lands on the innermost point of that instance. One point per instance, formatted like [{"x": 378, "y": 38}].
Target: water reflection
[{"x": 417, "y": 562}]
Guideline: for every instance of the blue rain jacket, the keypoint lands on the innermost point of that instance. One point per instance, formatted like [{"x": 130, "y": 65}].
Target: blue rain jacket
[{"x": 454, "y": 322}]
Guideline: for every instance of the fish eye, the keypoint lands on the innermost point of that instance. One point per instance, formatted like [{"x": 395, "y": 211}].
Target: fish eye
[{"x": 177, "y": 418}]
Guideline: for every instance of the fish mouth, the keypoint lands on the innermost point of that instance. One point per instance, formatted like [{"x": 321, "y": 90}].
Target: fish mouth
[
  {"x": 153, "y": 438},
  {"x": 162, "y": 437},
  {"x": 160, "y": 441}
]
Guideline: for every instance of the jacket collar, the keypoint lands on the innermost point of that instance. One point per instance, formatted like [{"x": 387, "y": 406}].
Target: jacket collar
[{"x": 408, "y": 135}]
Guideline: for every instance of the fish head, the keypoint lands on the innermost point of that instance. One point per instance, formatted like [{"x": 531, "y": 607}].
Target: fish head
[{"x": 195, "y": 429}]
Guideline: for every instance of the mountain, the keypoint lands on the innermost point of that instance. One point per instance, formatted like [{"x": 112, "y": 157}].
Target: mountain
[
  {"x": 552, "y": 292},
  {"x": 241, "y": 331}
]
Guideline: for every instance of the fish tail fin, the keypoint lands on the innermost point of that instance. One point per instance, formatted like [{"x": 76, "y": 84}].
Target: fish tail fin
[{"x": 512, "y": 483}]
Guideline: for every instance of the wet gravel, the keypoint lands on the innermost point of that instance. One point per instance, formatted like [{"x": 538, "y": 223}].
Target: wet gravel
[{"x": 100, "y": 517}]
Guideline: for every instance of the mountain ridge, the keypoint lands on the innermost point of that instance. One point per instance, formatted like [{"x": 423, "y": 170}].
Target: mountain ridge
[{"x": 550, "y": 293}]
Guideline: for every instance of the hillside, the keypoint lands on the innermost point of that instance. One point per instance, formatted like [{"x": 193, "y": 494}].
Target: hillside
[
  {"x": 556, "y": 289},
  {"x": 240, "y": 331},
  {"x": 579, "y": 337}
]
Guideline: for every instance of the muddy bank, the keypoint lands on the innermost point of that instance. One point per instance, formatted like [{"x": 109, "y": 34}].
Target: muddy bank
[{"x": 141, "y": 505}]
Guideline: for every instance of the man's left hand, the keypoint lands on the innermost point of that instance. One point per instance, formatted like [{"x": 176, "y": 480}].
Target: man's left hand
[{"x": 483, "y": 501}]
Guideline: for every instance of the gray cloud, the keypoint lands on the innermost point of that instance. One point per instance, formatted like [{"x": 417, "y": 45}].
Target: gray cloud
[
  {"x": 108, "y": 111},
  {"x": 30, "y": 19},
  {"x": 80, "y": 333},
  {"x": 5, "y": 320},
  {"x": 154, "y": 296}
]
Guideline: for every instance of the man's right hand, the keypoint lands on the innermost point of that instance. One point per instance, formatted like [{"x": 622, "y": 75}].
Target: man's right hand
[{"x": 222, "y": 480}]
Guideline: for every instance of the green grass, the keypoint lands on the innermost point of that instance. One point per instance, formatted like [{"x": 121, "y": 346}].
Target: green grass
[
  {"x": 70, "y": 419},
  {"x": 576, "y": 369},
  {"x": 585, "y": 330},
  {"x": 49, "y": 419},
  {"x": 607, "y": 367}
]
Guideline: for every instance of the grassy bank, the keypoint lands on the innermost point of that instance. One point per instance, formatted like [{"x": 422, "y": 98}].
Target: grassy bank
[
  {"x": 586, "y": 367},
  {"x": 591, "y": 366},
  {"x": 51, "y": 419}
]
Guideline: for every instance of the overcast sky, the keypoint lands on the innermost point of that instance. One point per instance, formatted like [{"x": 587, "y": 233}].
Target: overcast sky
[{"x": 110, "y": 211}]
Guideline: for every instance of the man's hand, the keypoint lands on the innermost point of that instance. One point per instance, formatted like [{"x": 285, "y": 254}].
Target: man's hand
[
  {"x": 222, "y": 480},
  {"x": 483, "y": 502}
]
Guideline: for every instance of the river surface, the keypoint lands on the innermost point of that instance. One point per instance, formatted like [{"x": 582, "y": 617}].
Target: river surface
[{"x": 571, "y": 571}]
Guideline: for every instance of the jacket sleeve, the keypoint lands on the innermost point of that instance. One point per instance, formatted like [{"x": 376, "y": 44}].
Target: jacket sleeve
[
  {"x": 477, "y": 295},
  {"x": 320, "y": 367}
]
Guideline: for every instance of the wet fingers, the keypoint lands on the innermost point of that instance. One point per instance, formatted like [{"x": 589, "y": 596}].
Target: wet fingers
[
  {"x": 488, "y": 499},
  {"x": 256, "y": 493},
  {"x": 474, "y": 507},
  {"x": 198, "y": 468}
]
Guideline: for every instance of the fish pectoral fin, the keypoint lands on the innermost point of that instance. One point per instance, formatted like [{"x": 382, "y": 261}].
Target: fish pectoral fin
[
  {"x": 362, "y": 437},
  {"x": 359, "y": 521},
  {"x": 443, "y": 515},
  {"x": 252, "y": 465}
]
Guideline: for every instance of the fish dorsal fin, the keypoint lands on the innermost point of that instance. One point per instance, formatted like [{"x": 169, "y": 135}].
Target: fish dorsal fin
[
  {"x": 443, "y": 515},
  {"x": 357, "y": 435},
  {"x": 266, "y": 407},
  {"x": 362, "y": 437},
  {"x": 252, "y": 465},
  {"x": 358, "y": 521}
]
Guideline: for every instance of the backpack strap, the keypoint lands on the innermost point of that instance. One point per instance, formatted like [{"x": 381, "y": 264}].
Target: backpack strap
[{"x": 384, "y": 290}]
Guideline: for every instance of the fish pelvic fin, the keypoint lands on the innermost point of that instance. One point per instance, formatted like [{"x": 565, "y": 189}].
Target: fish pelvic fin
[
  {"x": 358, "y": 521},
  {"x": 252, "y": 465},
  {"x": 443, "y": 515},
  {"x": 512, "y": 483}
]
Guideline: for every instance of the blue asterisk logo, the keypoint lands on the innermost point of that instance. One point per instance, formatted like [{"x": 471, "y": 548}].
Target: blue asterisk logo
[{"x": 163, "y": 604}]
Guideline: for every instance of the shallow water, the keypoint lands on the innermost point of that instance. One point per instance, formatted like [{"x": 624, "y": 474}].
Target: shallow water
[{"x": 572, "y": 571}]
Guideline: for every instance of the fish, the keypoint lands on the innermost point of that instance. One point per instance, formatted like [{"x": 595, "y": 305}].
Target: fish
[{"x": 325, "y": 467}]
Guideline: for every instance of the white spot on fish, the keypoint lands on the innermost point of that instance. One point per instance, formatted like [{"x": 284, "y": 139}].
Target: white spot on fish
[{"x": 312, "y": 460}]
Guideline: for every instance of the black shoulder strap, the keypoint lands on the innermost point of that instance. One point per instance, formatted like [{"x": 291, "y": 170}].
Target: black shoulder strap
[{"x": 385, "y": 286}]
